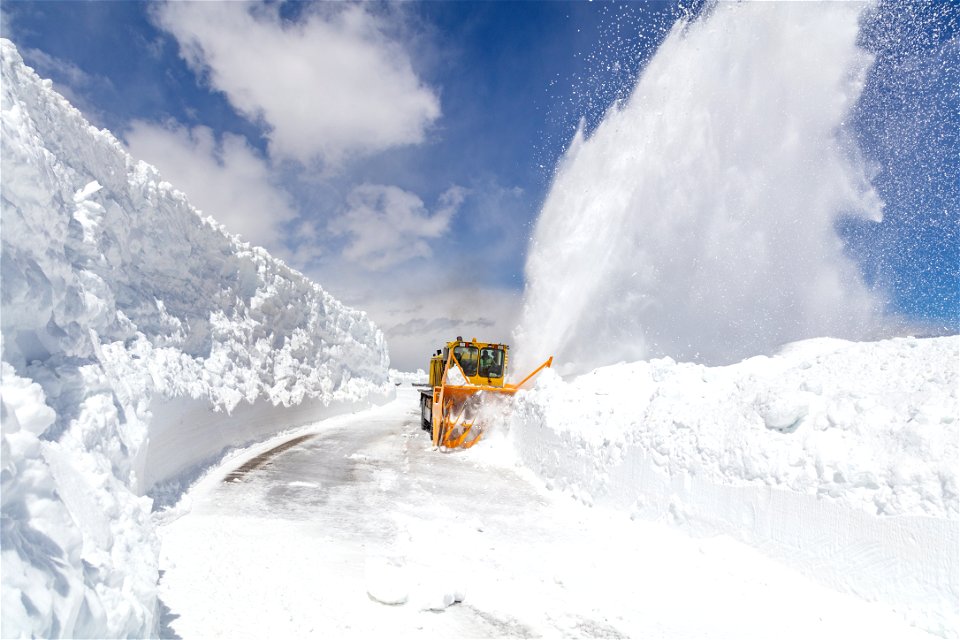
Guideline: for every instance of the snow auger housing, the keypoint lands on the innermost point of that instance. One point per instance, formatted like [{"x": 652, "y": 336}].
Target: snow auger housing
[{"x": 459, "y": 374}]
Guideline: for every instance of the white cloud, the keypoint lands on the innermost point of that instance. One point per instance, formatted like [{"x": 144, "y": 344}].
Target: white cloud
[
  {"x": 440, "y": 315},
  {"x": 330, "y": 86},
  {"x": 388, "y": 225},
  {"x": 228, "y": 181},
  {"x": 420, "y": 310},
  {"x": 46, "y": 64},
  {"x": 70, "y": 81},
  {"x": 6, "y": 23}
]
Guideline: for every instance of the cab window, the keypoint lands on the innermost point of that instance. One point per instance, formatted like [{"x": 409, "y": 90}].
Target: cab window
[
  {"x": 491, "y": 362},
  {"x": 467, "y": 357}
]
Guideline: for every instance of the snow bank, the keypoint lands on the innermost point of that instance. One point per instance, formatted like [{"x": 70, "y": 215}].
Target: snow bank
[
  {"x": 839, "y": 458},
  {"x": 139, "y": 341}
]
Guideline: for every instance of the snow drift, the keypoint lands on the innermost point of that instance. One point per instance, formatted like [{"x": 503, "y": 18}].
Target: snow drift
[
  {"x": 837, "y": 458},
  {"x": 697, "y": 221},
  {"x": 139, "y": 341}
]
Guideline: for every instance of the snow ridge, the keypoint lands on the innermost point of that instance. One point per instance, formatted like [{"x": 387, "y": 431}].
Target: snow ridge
[
  {"x": 131, "y": 325},
  {"x": 838, "y": 458}
]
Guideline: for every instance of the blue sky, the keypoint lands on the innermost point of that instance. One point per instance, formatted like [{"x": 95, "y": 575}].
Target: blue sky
[{"x": 399, "y": 154}]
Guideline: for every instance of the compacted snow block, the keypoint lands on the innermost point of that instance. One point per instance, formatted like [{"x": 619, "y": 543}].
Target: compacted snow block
[
  {"x": 139, "y": 341},
  {"x": 838, "y": 458}
]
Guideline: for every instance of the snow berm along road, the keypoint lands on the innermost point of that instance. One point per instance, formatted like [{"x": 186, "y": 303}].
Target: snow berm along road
[{"x": 139, "y": 342}]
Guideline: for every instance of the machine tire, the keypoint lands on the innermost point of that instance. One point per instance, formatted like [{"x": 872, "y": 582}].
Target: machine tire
[{"x": 426, "y": 413}]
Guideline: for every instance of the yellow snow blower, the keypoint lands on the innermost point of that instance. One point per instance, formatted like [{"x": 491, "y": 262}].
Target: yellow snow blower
[{"x": 460, "y": 374}]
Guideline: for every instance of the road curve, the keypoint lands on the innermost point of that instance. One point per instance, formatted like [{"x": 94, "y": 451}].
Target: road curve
[{"x": 357, "y": 527}]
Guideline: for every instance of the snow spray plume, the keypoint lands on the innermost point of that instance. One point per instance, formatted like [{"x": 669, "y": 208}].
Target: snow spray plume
[{"x": 698, "y": 220}]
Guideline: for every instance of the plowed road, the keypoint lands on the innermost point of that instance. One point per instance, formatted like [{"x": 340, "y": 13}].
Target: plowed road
[{"x": 355, "y": 527}]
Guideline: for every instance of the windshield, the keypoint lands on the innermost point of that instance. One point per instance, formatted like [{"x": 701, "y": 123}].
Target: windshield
[
  {"x": 467, "y": 357},
  {"x": 491, "y": 362}
]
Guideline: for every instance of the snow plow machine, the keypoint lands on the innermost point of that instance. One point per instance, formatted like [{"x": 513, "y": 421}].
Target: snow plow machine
[{"x": 460, "y": 375}]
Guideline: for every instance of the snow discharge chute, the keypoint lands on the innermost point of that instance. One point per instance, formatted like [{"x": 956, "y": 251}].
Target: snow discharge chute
[{"x": 461, "y": 374}]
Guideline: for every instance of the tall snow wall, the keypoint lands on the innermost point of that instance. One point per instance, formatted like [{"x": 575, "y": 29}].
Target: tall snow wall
[
  {"x": 139, "y": 341},
  {"x": 837, "y": 458}
]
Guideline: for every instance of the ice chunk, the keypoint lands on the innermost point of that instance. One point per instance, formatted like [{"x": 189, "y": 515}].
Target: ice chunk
[{"x": 386, "y": 581}]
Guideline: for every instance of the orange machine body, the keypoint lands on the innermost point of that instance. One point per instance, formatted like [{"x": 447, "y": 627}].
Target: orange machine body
[{"x": 460, "y": 374}]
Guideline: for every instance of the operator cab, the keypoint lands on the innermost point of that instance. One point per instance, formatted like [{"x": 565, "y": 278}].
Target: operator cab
[{"x": 483, "y": 363}]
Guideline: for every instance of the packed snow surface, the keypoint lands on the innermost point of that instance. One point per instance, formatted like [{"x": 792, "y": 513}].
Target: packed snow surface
[
  {"x": 139, "y": 342},
  {"x": 838, "y": 458},
  {"x": 697, "y": 221}
]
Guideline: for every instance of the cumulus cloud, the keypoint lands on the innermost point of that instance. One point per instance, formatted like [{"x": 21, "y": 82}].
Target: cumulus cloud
[
  {"x": 70, "y": 81},
  {"x": 327, "y": 87},
  {"x": 387, "y": 225},
  {"x": 227, "y": 180},
  {"x": 419, "y": 326},
  {"x": 46, "y": 64},
  {"x": 443, "y": 312}
]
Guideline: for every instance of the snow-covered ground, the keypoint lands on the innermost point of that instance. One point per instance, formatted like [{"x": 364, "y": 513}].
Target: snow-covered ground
[
  {"x": 362, "y": 529},
  {"x": 811, "y": 494},
  {"x": 140, "y": 342},
  {"x": 839, "y": 459}
]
